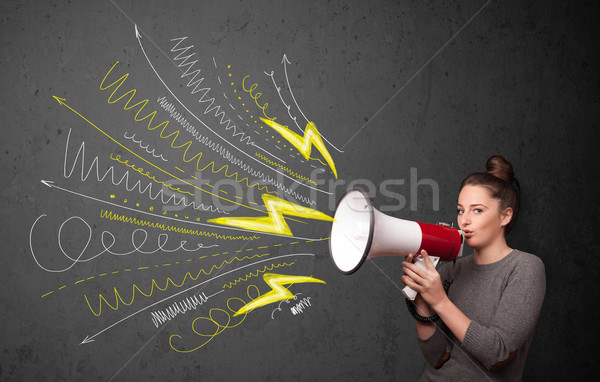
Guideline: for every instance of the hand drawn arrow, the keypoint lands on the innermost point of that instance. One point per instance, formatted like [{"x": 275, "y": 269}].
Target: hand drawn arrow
[
  {"x": 285, "y": 62},
  {"x": 139, "y": 38},
  {"x": 89, "y": 338},
  {"x": 51, "y": 184}
]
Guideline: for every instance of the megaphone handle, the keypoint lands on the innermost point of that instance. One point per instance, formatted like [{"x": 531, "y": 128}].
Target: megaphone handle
[{"x": 407, "y": 291}]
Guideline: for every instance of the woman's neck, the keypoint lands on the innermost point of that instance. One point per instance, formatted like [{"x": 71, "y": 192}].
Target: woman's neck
[{"x": 496, "y": 251}]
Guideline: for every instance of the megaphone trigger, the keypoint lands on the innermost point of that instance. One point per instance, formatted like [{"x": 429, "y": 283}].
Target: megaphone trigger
[{"x": 419, "y": 261}]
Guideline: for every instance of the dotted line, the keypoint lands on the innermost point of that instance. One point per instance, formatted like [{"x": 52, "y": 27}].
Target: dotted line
[{"x": 184, "y": 261}]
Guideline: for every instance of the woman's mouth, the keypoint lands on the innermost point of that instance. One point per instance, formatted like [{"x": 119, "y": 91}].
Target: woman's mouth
[{"x": 468, "y": 234}]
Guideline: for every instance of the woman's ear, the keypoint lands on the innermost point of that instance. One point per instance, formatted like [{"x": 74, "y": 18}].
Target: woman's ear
[{"x": 506, "y": 216}]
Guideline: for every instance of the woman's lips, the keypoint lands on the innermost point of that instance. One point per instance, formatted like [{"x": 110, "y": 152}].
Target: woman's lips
[{"x": 468, "y": 234}]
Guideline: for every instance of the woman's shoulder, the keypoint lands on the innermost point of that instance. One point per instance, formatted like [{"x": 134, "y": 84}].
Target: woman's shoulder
[{"x": 522, "y": 258}]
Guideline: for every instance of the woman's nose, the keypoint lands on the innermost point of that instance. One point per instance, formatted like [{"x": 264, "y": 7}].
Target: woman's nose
[{"x": 466, "y": 220}]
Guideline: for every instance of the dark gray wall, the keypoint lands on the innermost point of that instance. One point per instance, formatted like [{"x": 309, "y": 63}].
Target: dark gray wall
[{"x": 436, "y": 87}]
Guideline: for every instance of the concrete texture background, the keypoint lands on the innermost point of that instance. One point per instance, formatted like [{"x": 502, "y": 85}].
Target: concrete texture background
[{"x": 432, "y": 86}]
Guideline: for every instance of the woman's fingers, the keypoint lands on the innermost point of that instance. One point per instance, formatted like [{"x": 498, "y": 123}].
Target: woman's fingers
[
  {"x": 409, "y": 282},
  {"x": 413, "y": 275},
  {"x": 427, "y": 260}
]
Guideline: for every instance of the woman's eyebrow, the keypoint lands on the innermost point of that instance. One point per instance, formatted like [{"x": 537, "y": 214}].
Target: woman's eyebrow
[{"x": 473, "y": 205}]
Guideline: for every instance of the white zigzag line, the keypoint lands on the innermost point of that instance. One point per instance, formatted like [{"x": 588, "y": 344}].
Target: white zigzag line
[
  {"x": 226, "y": 154},
  {"x": 195, "y": 83},
  {"x": 147, "y": 190}
]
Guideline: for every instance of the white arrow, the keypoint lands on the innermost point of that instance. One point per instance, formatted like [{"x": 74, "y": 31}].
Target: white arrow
[
  {"x": 285, "y": 61},
  {"x": 89, "y": 338},
  {"x": 138, "y": 36},
  {"x": 51, "y": 184}
]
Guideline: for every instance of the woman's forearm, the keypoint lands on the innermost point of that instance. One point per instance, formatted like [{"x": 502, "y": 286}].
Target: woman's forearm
[
  {"x": 424, "y": 329},
  {"x": 453, "y": 317}
]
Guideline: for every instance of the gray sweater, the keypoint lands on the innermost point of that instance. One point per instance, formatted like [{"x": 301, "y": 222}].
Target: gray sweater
[{"x": 503, "y": 300}]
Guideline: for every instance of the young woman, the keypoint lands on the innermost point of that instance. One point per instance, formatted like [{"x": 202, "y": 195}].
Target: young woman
[{"x": 488, "y": 316}]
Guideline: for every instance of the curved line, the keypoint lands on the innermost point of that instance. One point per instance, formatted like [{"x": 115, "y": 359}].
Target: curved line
[
  {"x": 90, "y": 338},
  {"x": 205, "y": 125},
  {"x": 183, "y": 221},
  {"x": 145, "y": 148},
  {"x": 35, "y": 258},
  {"x": 287, "y": 106}
]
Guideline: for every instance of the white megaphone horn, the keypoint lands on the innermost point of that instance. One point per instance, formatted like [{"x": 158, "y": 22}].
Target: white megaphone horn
[{"x": 360, "y": 232}]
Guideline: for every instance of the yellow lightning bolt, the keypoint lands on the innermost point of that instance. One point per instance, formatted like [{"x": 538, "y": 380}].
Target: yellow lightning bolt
[
  {"x": 275, "y": 222},
  {"x": 304, "y": 144},
  {"x": 278, "y": 292}
]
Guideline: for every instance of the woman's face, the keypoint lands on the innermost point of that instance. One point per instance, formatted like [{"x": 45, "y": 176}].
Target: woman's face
[{"x": 480, "y": 218}]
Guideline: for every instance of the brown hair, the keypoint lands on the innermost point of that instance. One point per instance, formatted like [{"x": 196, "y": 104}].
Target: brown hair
[{"x": 500, "y": 181}]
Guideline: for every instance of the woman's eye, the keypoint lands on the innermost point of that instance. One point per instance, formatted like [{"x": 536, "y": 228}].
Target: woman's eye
[
  {"x": 478, "y": 210},
  {"x": 460, "y": 212}
]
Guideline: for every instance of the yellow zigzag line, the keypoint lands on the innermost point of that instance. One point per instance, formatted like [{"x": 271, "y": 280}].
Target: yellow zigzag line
[
  {"x": 135, "y": 288},
  {"x": 164, "y": 125},
  {"x": 323, "y": 163},
  {"x": 264, "y": 158},
  {"x": 258, "y": 271},
  {"x": 177, "y": 263},
  {"x": 143, "y": 104},
  {"x": 257, "y": 184},
  {"x": 110, "y": 215}
]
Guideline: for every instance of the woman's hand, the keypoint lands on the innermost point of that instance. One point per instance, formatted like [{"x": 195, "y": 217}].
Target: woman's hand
[{"x": 427, "y": 283}]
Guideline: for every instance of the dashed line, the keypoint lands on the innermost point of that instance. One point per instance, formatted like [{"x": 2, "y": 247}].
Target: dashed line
[{"x": 188, "y": 260}]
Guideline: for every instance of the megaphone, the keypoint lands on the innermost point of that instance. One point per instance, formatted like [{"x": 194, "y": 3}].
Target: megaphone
[{"x": 360, "y": 232}]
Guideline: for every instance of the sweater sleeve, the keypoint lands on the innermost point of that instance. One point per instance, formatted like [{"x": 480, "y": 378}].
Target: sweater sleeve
[
  {"x": 435, "y": 347},
  {"x": 515, "y": 318}
]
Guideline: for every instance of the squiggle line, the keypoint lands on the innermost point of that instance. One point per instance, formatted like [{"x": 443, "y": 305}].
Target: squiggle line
[
  {"x": 299, "y": 307},
  {"x": 177, "y": 189},
  {"x": 175, "y": 263},
  {"x": 190, "y": 303},
  {"x": 219, "y": 327},
  {"x": 138, "y": 36},
  {"x": 162, "y": 239},
  {"x": 131, "y": 93},
  {"x": 307, "y": 179},
  {"x": 110, "y": 215},
  {"x": 147, "y": 190},
  {"x": 227, "y": 155},
  {"x": 145, "y": 147},
  {"x": 258, "y": 271},
  {"x": 135, "y": 288},
  {"x": 147, "y": 175},
  {"x": 278, "y": 309},
  {"x": 192, "y": 81},
  {"x": 119, "y": 82}
]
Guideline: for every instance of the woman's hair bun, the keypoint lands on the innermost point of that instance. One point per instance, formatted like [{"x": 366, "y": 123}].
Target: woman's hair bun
[{"x": 500, "y": 168}]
